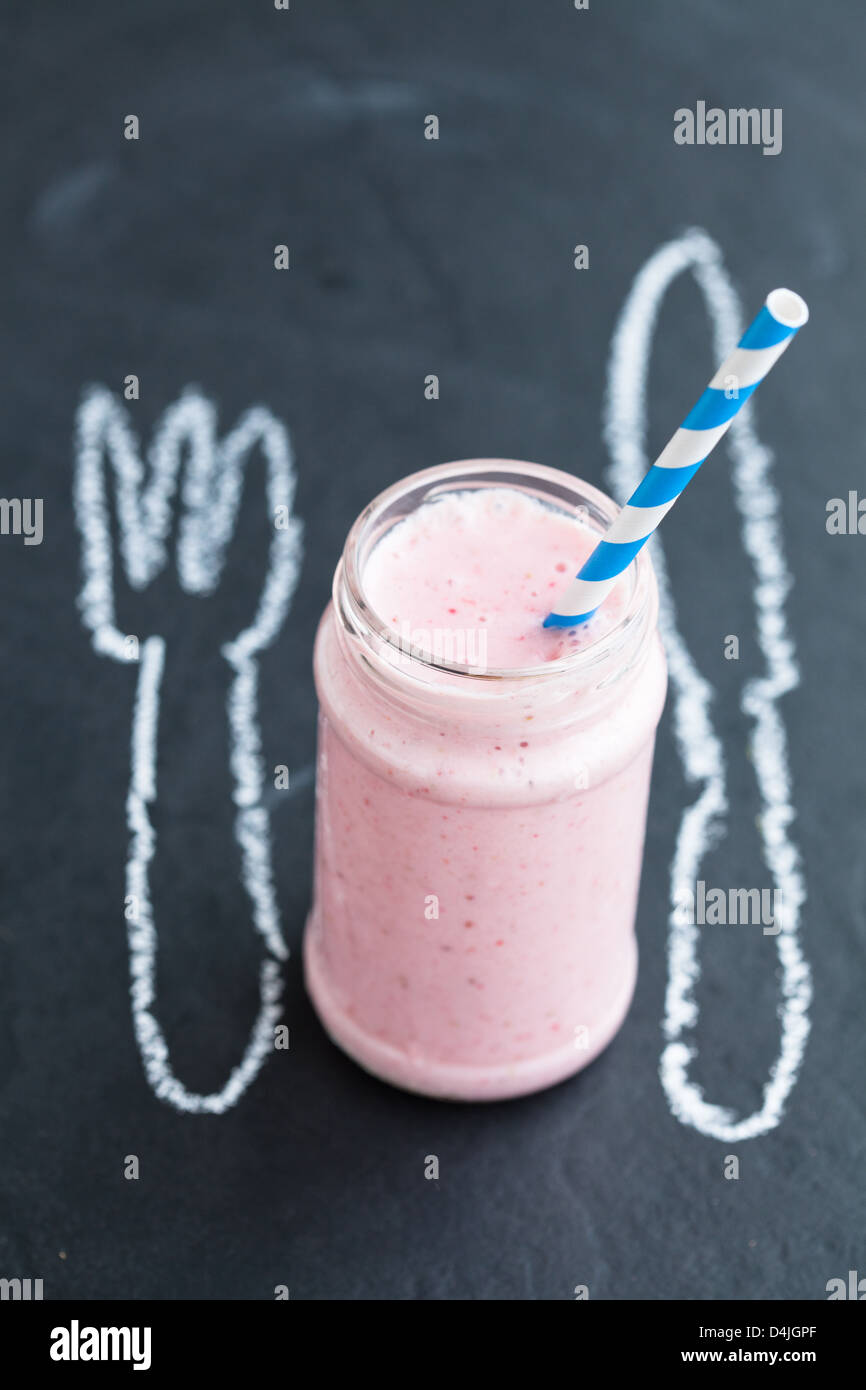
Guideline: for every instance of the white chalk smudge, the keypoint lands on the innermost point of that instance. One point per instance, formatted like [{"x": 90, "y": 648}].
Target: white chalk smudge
[
  {"x": 212, "y": 486},
  {"x": 699, "y": 745}
]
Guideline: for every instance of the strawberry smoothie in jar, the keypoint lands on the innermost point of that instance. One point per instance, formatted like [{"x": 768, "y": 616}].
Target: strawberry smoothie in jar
[{"x": 482, "y": 785}]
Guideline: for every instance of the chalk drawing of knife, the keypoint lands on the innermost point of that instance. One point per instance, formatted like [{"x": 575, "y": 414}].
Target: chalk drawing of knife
[{"x": 699, "y": 745}]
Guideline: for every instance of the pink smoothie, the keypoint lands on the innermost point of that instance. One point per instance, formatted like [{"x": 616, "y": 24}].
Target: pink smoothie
[
  {"x": 491, "y": 564},
  {"x": 478, "y": 851}
]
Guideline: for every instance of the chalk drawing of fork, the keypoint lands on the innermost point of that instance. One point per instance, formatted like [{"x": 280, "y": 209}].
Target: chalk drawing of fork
[{"x": 211, "y": 493}]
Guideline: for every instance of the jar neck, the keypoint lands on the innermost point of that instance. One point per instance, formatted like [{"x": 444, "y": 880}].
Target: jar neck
[{"x": 439, "y": 686}]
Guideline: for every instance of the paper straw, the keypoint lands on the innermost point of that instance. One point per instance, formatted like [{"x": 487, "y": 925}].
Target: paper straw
[{"x": 762, "y": 344}]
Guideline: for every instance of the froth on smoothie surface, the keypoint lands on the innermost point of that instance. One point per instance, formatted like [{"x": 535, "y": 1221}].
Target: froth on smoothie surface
[{"x": 471, "y": 576}]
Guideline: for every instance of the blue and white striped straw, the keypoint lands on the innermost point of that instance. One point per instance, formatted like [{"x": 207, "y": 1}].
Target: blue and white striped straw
[{"x": 760, "y": 347}]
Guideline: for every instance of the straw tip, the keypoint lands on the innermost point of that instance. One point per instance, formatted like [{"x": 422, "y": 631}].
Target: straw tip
[
  {"x": 566, "y": 619},
  {"x": 788, "y": 308}
]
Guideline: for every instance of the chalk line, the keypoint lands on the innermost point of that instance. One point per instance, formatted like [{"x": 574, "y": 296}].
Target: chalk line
[
  {"x": 210, "y": 497},
  {"x": 700, "y": 748}
]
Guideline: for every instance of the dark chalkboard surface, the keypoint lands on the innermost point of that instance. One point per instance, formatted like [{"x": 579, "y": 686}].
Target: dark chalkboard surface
[{"x": 154, "y": 258}]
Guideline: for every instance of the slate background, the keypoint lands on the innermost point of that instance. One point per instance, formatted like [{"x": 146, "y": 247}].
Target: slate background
[{"x": 408, "y": 257}]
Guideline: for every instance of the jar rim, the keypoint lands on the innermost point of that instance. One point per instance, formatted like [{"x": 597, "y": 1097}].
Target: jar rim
[{"x": 565, "y": 491}]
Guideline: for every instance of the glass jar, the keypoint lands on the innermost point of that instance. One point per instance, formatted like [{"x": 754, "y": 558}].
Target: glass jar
[{"x": 479, "y": 832}]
